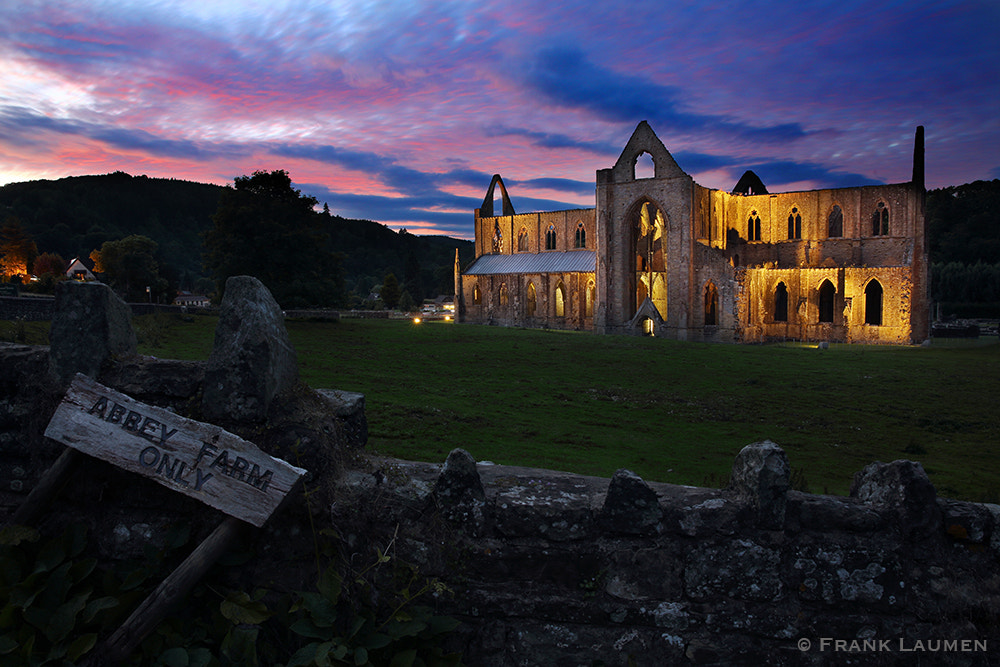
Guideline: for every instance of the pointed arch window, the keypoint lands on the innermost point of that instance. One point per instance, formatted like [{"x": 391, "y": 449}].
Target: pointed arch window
[
  {"x": 522, "y": 240},
  {"x": 504, "y": 297},
  {"x": 711, "y": 304},
  {"x": 550, "y": 238},
  {"x": 794, "y": 224},
  {"x": 589, "y": 300},
  {"x": 560, "y": 300},
  {"x": 497, "y": 238},
  {"x": 873, "y": 303},
  {"x": 880, "y": 220},
  {"x": 644, "y": 166},
  {"x": 835, "y": 223},
  {"x": 531, "y": 301},
  {"x": 753, "y": 227},
  {"x": 781, "y": 303},
  {"x": 581, "y": 236},
  {"x": 477, "y": 296},
  {"x": 826, "y": 295}
]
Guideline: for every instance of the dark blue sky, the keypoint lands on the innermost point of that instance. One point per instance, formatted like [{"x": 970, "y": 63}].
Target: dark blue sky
[{"x": 400, "y": 111}]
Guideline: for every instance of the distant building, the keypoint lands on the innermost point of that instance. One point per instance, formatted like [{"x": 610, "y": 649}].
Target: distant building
[
  {"x": 192, "y": 300},
  {"x": 665, "y": 256},
  {"x": 78, "y": 270}
]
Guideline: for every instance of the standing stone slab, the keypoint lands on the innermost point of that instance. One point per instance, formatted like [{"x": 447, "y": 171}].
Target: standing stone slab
[
  {"x": 761, "y": 476},
  {"x": 903, "y": 490},
  {"x": 631, "y": 506},
  {"x": 252, "y": 360},
  {"x": 90, "y": 326}
]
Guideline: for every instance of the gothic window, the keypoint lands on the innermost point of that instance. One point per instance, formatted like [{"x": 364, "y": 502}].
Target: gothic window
[
  {"x": 504, "y": 299},
  {"x": 880, "y": 220},
  {"x": 560, "y": 300},
  {"x": 873, "y": 303},
  {"x": 781, "y": 303},
  {"x": 589, "y": 305},
  {"x": 550, "y": 238},
  {"x": 644, "y": 166},
  {"x": 711, "y": 304},
  {"x": 794, "y": 224},
  {"x": 530, "y": 307},
  {"x": 497, "y": 238},
  {"x": 581, "y": 235},
  {"x": 477, "y": 296},
  {"x": 522, "y": 240},
  {"x": 826, "y": 294},
  {"x": 753, "y": 227},
  {"x": 835, "y": 226}
]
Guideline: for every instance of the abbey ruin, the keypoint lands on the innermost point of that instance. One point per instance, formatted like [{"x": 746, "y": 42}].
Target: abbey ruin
[{"x": 665, "y": 256}]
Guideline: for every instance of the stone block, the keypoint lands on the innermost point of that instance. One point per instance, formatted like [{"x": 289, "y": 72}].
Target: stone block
[
  {"x": 630, "y": 507},
  {"x": 91, "y": 326},
  {"x": 760, "y": 477},
  {"x": 459, "y": 491},
  {"x": 252, "y": 360},
  {"x": 349, "y": 409},
  {"x": 902, "y": 489}
]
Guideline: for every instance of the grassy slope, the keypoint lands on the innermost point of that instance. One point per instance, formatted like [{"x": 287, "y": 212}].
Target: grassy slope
[{"x": 675, "y": 412}]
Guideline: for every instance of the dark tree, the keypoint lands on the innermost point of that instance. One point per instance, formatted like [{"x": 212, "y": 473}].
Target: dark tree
[
  {"x": 266, "y": 229},
  {"x": 130, "y": 268},
  {"x": 390, "y": 291}
]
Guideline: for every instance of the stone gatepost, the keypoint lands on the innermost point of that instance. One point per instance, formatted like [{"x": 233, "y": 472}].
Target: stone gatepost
[
  {"x": 761, "y": 477},
  {"x": 91, "y": 326}
]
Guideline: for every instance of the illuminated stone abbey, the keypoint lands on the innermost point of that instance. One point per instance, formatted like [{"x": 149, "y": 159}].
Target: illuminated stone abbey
[{"x": 665, "y": 256}]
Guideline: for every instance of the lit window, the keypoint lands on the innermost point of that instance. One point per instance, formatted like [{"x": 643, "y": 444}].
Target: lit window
[
  {"x": 522, "y": 240},
  {"x": 753, "y": 227},
  {"x": 550, "y": 238},
  {"x": 826, "y": 294},
  {"x": 477, "y": 296},
  {"x": 781, "y": 303},
  {"x": 560, "y": 300},
  {"x": 873, "y": 303},
  {"x": 503, "y": 294},
  {"x": 589, "y": 305},
  {"x": 794, "y": 224},
  {"x": 497, "y": 238},
  {"x": 711, "y": 304},
  {"x": 530, "y": 306}
]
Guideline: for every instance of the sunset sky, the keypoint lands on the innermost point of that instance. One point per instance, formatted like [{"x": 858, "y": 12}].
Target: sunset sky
[{"x": 399, "y": 112}]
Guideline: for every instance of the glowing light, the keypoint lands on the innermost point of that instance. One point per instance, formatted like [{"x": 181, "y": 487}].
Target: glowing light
[{"x": 416, "y": 320}]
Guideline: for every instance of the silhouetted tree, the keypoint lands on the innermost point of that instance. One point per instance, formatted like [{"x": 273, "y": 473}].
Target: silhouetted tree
[
  {"x": 267, "y": 229},
  {"x": 390, "y": 291},
  {"x": 129, "y": 267}
]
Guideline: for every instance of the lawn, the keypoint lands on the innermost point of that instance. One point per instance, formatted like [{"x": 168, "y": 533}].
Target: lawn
[{"x": 670, "y": 411}]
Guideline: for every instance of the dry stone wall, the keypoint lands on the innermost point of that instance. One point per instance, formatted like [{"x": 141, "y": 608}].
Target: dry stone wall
[{"x": 543, "y": 567}]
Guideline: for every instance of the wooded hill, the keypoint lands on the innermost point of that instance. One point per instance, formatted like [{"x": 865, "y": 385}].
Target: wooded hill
[
  {"x": 76, "y": 215},
  {"x": 73, "y": 216}
]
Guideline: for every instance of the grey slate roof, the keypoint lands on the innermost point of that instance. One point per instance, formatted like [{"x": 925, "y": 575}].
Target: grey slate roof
[{"x": 530, "y": 262}]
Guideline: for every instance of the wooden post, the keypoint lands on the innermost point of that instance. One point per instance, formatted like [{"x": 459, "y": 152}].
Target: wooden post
[{"x": 46, "y": 489}]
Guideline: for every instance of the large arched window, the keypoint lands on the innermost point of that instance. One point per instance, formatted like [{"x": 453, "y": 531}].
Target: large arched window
[
  {"x": 522, "y": 240},
  {"x": 497, "y": 238},
  {"x": 550, "y": 238},
  {"x": 880, "y": 220},
  {"x": 753, "y": 227},
  {"x": 873, "y": 303},
  {"x": 560, "y": 300},
  {"x": 711, "y": 304},
  {"x": 644, "y": 166},
  {"x": 835, "y": 223},
  {"x": 781, "y": 303},
  {"x": 795, "y": 224},
  {"x": 826, "y": 295},
  {"x": 581, "y": 236},
  {"x": 529, "y": 307}
]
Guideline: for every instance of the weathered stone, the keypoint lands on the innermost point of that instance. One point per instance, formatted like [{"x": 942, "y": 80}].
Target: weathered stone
[
  {"x": 630, "y": 507},
  {"x": 902, "y": 489},
  {"x": 252, "y": 360},
  {"x": 349, "y": 409},
  {"x": 459, "y": 491},
  {"x": 90, "y": 327},
  {"x": 740, "y": 569},
  {"x": 760, "y": 477},
  {"x": 966, "y": 522}
]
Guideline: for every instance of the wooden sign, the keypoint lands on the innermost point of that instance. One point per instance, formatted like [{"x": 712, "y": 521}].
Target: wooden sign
[{"x": 197, "y": 459}]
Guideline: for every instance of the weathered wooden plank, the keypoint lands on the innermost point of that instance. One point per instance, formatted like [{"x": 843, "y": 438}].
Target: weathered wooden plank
[{"x": 200, "y": 460}]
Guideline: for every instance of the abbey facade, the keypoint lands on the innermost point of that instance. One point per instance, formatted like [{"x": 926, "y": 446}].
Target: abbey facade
[{"x": 665, "y": 256}]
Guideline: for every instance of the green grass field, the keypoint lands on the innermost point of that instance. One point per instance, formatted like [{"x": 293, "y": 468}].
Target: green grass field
[{"x": 670, "y": 411}]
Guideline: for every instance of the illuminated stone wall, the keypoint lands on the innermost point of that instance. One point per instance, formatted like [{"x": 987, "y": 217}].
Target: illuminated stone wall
[{"x": 710, "y": 261}]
